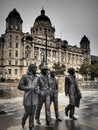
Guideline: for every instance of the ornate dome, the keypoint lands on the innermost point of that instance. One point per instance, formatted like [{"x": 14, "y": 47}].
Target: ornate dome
[
  {"x": 42, "y": 18},
  {"x": 14, "y": 14}
]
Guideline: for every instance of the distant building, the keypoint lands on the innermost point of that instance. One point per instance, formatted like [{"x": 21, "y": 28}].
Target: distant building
[
  {"x": 19, "y": 49},
  {"x": 94, "y": 59}
]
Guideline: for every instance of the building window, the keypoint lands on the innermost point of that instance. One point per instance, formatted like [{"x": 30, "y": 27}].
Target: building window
[
  {"x": 16, "y": 71},
  {"x": 45, "y": 31},
  {"x": 49, "y": 31},
  {"x": 10, "y": 44},
  {"x": 27, "y": 52},
  {"x": 17, "y": 45},
  {"x": 62, "y": 57},
  {"x": 54, "y": 56},
  {"x": 73, "y": 58},
  {"x": 16, "y": 53},
  {"x": 10, "y": 53},
  {"x": 36, "y": 52},
  {"x": 9, "y": 71},
  {"x": 9, "y": 62},
  {"x": 54, "y": 53},
  {"x": 16, "y": 25},
  {"x": 69, "y": 57},
  {"x": 16, "y": 37},
  {"x": 36, "y": 31},
  {"x": 42, "y": 57},
  {"x": 35, "y": 57},
  {"x": 16, "y": 62},
  {"x": 10, "y": 37}
]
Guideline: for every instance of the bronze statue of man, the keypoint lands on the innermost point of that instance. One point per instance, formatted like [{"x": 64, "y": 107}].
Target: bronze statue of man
[
  {"x": 29, "y": 84},
  {"x": 44, "y": 96},
  {"x": 73, "y": 91},
  {"x": 54, "y": 93}
]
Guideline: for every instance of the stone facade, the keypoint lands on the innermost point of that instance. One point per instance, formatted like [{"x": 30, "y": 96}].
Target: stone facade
[{"x": 18, "y": 49}]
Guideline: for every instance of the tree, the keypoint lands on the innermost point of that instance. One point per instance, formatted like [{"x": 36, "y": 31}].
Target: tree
[
  {"x": 89, "y": 69},
  {"x": 84, "y": 68},
  {"x": 94, "y": 70},
  {"x": 59, "y": 68}
]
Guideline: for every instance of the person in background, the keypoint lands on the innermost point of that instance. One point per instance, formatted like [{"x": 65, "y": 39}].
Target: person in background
[
  {"x": 44, "y": 96},
  {"x": 54, "y": 93},
  {"x": 29, "y": 84},
  {"x": 72, "y": 90}
]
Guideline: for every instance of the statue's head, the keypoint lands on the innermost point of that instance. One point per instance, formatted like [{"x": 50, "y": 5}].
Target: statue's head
[
  {"x": 71, "y": 71},
  {"x": 44, "y": 70},
  {"x": 32, "y": 68}
]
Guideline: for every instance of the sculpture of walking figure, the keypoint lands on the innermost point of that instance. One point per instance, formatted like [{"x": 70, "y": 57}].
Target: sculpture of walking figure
[
  {"x": 29, "y": 84},
  {"x": 72, "y": 89},
  {"x": 54, "y": 93},
  {"x": 44, "y": 96}
]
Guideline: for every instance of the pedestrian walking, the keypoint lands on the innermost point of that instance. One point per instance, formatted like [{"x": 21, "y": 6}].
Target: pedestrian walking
[
  {"x": 29, "y": 84},
  {"x": 44, "y": 96},
  {"x": 73, "y": 91}
]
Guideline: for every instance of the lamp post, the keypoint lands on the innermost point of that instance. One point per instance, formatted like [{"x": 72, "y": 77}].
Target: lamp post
[
  {"x": 46, "y": 48},
  {"x": 43, "y": 60}
]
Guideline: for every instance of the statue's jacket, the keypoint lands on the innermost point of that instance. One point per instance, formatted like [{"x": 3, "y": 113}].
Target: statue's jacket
[{"x": 29, "y": 84}]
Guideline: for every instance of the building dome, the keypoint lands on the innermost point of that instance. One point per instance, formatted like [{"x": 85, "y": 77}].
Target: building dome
[
  {"x": 14, "y": 21},
  {"x": 85, "y": 44},
  {"x": 84, "y": 39},
  {"x": 42, "y": 18},
  {"x": 14, "y": 14}
]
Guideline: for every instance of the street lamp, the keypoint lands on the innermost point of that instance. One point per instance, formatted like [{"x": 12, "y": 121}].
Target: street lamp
[
  {"x": 46, "y": 47},
  {"x": 43, "y": 62}
]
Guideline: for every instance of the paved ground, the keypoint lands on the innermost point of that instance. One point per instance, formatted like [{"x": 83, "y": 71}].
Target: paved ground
[{"x": 87, "y": 114}]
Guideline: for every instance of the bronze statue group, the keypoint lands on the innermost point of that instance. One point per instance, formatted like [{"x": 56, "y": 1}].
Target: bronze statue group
[{"x": 43, "y": 89}]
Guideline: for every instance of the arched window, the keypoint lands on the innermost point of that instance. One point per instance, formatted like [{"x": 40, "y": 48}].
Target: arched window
[{"x": 16, "y": 53}]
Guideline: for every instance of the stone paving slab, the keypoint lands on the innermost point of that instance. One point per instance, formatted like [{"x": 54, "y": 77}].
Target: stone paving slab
[{"x": 92, "y": 123}]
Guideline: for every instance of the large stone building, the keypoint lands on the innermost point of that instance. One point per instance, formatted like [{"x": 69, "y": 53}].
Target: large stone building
[{"x": 19, "y": 49}]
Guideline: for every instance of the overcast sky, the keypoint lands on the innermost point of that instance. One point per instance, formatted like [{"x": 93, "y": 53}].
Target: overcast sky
[{"x": 72, "y": 18}]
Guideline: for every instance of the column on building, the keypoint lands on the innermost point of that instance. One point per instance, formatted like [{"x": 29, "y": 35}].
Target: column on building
[
  {"x": 51, "y": 55},
  {"x": 66, "y": 59},
  {"x": 59, "y": 55},
  {"x": 32, "y": 52},
  {"x": 39, "y": 57},
  {"x": 24, "y": 57}
]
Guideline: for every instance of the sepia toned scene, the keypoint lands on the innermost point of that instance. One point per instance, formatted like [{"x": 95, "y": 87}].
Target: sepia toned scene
[{"x": 46, "y": 81}]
